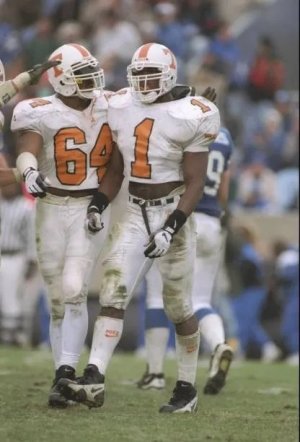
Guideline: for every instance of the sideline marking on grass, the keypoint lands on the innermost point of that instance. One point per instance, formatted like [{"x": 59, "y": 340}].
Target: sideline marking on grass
[{"x": 274, "y": 390}]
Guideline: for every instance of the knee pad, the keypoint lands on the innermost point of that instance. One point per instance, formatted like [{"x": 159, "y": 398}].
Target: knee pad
[
  {"x": 72, "y": 286},
  {"x": 178, "y": 306}
]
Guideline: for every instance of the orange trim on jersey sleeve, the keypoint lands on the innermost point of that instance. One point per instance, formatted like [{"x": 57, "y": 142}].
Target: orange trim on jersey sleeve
[
  {"x": 144, "y": 50},
  {"x": 83, "y": 51}
]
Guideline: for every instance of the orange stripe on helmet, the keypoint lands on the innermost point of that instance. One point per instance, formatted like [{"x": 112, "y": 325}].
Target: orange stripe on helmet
[
  {"x": 144, "y": 50},
  {"x": 83, "y": 51}
]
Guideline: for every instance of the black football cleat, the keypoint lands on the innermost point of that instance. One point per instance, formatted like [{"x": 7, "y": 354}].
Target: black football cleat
[
  {"x": 184, "y": 399},
  {"x": 219, "y": 366},
  {"x": 87, "y": 390},
  {"x": 56, "y": 399}
]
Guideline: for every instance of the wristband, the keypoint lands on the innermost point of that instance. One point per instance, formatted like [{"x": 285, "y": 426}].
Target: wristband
[
  {"x": 176, "y": 220},
  {"x": 99, "y": 203},
  {"x": 25, "y": 161}
]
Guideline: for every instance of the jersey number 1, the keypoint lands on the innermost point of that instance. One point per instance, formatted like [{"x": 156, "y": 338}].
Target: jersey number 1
[{"x": 140, "y": 167}]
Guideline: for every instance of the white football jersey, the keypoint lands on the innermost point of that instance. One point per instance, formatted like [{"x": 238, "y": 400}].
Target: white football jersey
[
  {"x": 77, "y": 144},
  {"x": 148, "y": 133}
]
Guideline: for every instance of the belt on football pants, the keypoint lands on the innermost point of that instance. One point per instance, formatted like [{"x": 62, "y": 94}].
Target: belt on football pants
[
  {"x": 150, "y": 203},
  {"x": 11, "y": 252},
  {"x": 72, "y": 193}
]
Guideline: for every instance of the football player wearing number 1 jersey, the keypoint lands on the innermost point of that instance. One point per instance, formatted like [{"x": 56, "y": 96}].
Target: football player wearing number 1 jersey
[
  {"x": 64, "y": 145},
  {"x": 209, "y": 247},
  {"x": 163, "y": 134}
]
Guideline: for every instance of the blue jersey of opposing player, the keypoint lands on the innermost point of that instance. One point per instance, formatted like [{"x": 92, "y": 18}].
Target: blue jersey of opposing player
[{"x": 218, "y": 160}]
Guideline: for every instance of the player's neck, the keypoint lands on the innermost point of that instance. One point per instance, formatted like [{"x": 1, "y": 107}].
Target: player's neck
[{"x": 74, "y": 102}]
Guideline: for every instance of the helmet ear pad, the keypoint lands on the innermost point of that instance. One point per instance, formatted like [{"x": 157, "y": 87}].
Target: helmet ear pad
[{"x": 66, "y": 90}]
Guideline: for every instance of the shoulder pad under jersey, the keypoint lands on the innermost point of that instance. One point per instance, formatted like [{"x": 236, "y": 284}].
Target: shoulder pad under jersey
[
  {"x": 192, "y": 108},
  {"x": 27, "y": 113},
  {"x": 120, "y": 99}
]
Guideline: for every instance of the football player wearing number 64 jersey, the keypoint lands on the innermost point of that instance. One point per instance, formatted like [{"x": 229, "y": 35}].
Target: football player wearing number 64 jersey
[
  {"x": 64, "y": 145},
  {"x": 163, "y": 134}
]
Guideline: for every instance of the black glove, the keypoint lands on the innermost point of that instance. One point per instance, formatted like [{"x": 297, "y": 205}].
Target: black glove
[
  {"x": 210, "y": 93},
  {"x": 37, "y": 71}
]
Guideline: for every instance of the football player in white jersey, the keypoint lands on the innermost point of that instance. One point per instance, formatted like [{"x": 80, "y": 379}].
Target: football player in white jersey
[
  {"x": 162, "y": 134},
  {"x": 64, "y": 145},
  {"x": 209, "y": 246}
]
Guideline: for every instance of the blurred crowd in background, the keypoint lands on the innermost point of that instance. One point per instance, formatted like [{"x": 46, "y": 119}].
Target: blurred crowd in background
[{"x": 258, "y": 104}]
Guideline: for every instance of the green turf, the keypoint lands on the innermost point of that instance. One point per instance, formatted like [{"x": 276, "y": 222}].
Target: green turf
[{"x": 258, "y": 404}]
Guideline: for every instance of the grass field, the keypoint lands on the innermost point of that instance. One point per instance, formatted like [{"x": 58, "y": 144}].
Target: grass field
[{"x": 259, "y": 404}]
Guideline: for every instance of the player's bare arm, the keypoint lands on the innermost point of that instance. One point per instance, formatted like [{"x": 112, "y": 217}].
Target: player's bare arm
[
  {"x": 194, "y": 172},
  {"x": 223, "y": 190},
  {"x": 28, "y": 141},
  {"x": 113, "y": 178},
  {"x": 8, "y": 176},
  {"x": 107, "y": 191}
]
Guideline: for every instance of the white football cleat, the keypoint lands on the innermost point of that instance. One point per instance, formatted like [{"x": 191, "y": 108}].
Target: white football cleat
[{"x": 219, "y": 365}]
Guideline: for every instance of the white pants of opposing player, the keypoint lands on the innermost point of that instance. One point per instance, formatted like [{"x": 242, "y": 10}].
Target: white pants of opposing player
[
  {"x": 12, "y": 278},
  {"x": 208, "y": 256},
  {"x": 126, "y": 257},
  {"x": 66, "y": 250}
]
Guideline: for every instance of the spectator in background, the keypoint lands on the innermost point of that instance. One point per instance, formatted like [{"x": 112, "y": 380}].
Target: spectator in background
[
  {"x": 257, "y": 187},
  {"x": 113, "y": 41},
  {"x": 37, "y": 49},
  {"x": 18, "y": 262},
  {"x": 265, "y": 137},
  {"x": 266, "y": 74},
  {"x": 246, "y": 261},
  {"x": 42, "y": 44},
  {"x": 71, "y": 31},
  {"x": 218, "y": 64},
  {"x": 66, "y": 10},
  {"x": 223, "y": 52},
  {"x": 170, "y": 32},
  {"x": 202, "y": 13},
  {"x": 287, "y": 276},
  {"x": 10, "y": 46}
]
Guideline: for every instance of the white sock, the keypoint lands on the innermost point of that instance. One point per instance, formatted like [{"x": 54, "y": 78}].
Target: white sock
[
  {"x": 187, "y": 350},
  {"x": 74, "y": 330},
  {"x": 107, "y": 334},
  {"x": 156, "y": 340},
  {"x": 212, "y": 330},
  {"x": 55, "y": 334}
]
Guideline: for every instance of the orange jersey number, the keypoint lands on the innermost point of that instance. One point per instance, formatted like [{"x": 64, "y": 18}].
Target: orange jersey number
[
  {"x": 140, "y": 167},
  {"x": 202, "y": 106},
  {"x": 101, "y": 152},
  {"x": 71, "y": 163}
]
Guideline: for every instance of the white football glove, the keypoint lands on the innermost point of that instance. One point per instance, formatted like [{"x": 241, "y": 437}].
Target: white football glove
[
  {"x": 36, "y": 184},
  {"x": 159, "y": 243},
  {"x": 94, "y": 222}
]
